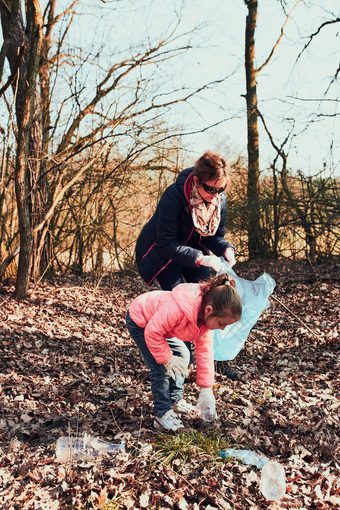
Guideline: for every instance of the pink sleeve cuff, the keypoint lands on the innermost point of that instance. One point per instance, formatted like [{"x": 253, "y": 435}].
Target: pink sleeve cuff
[
  {"x": 229, "y": 247},
  {"x": 199, "y": 259}
]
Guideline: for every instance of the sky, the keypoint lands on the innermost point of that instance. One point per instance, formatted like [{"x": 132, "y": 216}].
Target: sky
[
  {"x": 292, "y": 95},
  {"x": 220, "y": 52}
]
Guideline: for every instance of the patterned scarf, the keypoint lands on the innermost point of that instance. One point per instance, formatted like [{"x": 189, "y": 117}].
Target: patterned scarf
[{"x": 205, "y": 216}]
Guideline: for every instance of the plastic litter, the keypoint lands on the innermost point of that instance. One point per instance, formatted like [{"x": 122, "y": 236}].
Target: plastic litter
[
  {"x": 85, "y": 448},
  {"x": 207, "y": 411},
  {"x": 273, "y": 478},
  {"x": 273, "y": 481},
  {"x": 254, "y": 296},
  {"x": 246, "y": 456}
]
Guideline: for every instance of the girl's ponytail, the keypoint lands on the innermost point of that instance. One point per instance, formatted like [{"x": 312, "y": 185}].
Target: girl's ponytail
[
  {"x": 221, "y": 279},
  {"x": 220, "y": 292}
]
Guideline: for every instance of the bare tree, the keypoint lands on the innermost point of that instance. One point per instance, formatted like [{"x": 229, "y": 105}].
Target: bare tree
[
  {"x": 63, "y": 149},
  {"x": 256, "y": 245},
  {"x": 26, "y": 83}
]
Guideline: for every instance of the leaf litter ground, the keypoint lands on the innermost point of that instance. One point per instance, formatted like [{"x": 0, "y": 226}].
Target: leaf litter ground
[{"x": 68, "y": 366}]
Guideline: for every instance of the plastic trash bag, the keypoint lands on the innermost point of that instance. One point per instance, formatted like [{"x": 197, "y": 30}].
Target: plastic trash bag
[{"x": 254, "y": 296}]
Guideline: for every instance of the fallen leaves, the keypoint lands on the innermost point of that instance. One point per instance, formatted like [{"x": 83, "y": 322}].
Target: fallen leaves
[{"x": 69, "y": 366}]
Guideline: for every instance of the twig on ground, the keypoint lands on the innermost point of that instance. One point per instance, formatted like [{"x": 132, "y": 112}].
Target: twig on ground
[
  {"x": 114, "y": 419},
  {"x": 296, "y": 317}
]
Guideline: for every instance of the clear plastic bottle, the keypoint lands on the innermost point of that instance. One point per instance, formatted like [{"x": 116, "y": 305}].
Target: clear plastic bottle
[
  {"x": 85, "y": 448},
  {"x": 207, "y": 411},
  {"x": 273, "y": 478},
  {"x": 273, "y": 481},
  {"x": 245, "y": 456}
]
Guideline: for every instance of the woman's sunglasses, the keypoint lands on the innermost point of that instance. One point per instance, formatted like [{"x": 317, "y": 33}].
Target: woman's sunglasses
[{"x": 212, "y": 190}]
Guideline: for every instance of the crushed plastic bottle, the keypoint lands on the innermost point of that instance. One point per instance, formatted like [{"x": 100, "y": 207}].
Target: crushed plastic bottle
[
  {"x": 85, "y": 448},
  {"x": 273, "y": 481},
  {"x": 273, "y": 478},
  {"x": 246, "y": 456}
]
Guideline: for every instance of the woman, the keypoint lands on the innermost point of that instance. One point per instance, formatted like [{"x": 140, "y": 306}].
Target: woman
[{"x": 189, "y": 222}]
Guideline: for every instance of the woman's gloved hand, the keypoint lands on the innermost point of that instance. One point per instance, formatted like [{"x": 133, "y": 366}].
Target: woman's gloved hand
[
  {"x": 211, "y": 261},
  {"x": 206, "y": 404},
  {"x": 229, "y": 256},
  {"x": 176, "y": 366}
]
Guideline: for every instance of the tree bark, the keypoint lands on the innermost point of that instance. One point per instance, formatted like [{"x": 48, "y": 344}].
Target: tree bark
[
  {"x": 34, "y": 23},
  {"x": 41, "y": 239},
  {"x": 29, "y": 121},
  {"x": 253, "y": 186}
]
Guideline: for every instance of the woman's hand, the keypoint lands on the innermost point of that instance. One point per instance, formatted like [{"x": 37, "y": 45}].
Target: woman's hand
[
  {"x": 211, "y": 261},
  {"x": 229, "y": 256},
  {"x": 176, "y": 366}
]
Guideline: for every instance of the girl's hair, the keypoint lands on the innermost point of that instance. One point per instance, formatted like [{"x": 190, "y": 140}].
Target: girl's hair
[
  {"x": 211, "y": 166},
  {"x": 220, "y": 292}
]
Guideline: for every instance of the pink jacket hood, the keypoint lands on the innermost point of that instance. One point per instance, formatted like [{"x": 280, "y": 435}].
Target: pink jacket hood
[
  {"x": 165, "y": 314},
  {"x": 188, "y": 298}
]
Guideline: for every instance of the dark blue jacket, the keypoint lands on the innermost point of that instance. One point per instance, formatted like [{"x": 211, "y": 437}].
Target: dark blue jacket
[{"x": 170, "y": 234}]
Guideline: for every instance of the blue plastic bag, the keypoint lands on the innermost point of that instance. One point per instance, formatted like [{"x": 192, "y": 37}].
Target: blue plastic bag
[{"x": 254, "y": 295}]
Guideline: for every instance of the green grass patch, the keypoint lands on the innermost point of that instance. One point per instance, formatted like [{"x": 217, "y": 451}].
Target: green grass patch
[{"x": 190, "y": 445}]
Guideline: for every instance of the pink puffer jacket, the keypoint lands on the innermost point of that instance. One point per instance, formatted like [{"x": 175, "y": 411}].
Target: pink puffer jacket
[{"x": 165, "y": 314}]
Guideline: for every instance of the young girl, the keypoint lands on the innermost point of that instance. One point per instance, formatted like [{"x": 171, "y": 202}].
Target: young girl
[{"x": 189, "y": 312}]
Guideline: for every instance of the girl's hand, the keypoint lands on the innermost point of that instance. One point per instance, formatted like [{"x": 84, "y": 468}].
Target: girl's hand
[
  {"x": 176, "y": 366},
  {"x": 229, "y": 255},
  {"x": 206, "y": 404}
]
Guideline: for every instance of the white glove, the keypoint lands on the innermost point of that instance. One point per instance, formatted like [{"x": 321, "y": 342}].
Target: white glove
[
  {"x": 176, "y": 366},
  {"x": 229, "y": 255},
  {"x": 206, "y": 404},
  {"x": 211, "y": 261}
]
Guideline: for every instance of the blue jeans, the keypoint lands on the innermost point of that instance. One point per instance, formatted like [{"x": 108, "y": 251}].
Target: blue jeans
[{"x": 166, "y": 391}]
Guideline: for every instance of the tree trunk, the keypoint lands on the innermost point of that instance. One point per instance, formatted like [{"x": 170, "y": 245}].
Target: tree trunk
[
  {"x": 42, "y": 254},
  {"x": 14, "y": 40},
  {"x": 37, "y": 191},
  {"x": 276, "y": 219},
  {"x": 253, "y": 188},
  {"x": 29, "y": 139},
  {"x": 34, "y": 24}
]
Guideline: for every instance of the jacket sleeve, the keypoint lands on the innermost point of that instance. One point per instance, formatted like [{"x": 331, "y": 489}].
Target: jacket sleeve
[
  {"x": 170, "y": 210},
  {"x": 159, "y": 328},
  {"x": 217, "y": 244},
  {"x": 205, "y": 367}
]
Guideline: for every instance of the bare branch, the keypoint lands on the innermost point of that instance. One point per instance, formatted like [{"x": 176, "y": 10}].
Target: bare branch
[
  {"x": 101, "y": 93},
  {"x": 59, "y": 193},
  {"x": 335, "y": 77},
  {"x": 311, "y": 99},
  {"x": 314, "y": 34},
  {"x": 279, "y": 38},
  {"x": 65, "y": 12},
  {"x": 7, "y": 261},
  {"x": 279, "y": 150},
  {"x": 14, "y": 72}
]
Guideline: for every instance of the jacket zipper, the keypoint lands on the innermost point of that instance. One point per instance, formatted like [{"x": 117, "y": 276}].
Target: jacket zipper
[{"x": 152, "y": 279}]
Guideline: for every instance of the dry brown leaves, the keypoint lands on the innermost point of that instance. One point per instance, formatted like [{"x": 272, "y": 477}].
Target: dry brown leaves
[{"x": 68, "y": 366}]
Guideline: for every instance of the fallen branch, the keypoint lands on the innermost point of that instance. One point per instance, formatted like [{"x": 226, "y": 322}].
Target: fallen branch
[
  {"x": 7, "y": 261},
  {"x": 296, "y": 317}
]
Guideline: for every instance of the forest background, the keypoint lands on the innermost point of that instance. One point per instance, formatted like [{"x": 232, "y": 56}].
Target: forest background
[{"x": 103, "y": 103}]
